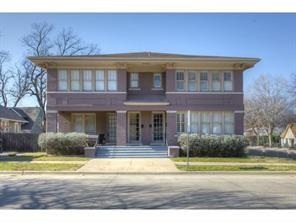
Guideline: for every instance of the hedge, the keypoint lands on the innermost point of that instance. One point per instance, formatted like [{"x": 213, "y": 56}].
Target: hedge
[
  {"x": 213, "y": 146},
  {"x": 63, "y": 143}
]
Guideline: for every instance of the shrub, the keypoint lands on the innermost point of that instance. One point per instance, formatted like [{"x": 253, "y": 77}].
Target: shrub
[
  {"x": 63, "y": 144},
  {"x": 213, "y": 146}
]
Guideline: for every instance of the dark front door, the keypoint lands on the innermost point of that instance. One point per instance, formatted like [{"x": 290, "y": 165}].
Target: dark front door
[{"x": 158, "y": 127}]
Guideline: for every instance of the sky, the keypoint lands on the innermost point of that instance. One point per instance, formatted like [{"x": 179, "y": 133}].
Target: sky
[{"x": 270, "y": 37}]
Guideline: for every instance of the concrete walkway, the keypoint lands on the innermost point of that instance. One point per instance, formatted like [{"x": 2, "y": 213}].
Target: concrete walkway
[{"x": 119, "y": 165}]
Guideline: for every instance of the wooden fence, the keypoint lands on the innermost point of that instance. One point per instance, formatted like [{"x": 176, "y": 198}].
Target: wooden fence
[{"x": 19, "y": 142}]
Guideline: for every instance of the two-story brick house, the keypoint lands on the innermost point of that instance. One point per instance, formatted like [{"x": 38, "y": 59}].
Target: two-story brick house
[{"x": 144, "y": 98}]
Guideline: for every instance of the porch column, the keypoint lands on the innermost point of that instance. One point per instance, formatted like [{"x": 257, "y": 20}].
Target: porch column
[
  {"x": 171, "y": 129},
  {"x": 239, "y": 122},
  {"x": 121, "y": 128},
  {"x": 51, "y": 121}
]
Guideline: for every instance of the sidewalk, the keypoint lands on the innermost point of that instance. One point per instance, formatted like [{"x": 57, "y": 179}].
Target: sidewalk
[{"x": 231, "y": 164}]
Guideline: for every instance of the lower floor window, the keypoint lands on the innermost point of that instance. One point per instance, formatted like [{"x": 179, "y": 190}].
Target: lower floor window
[
  {"x": 84, "y": 122},
  {"x": 181, "y": 122}
]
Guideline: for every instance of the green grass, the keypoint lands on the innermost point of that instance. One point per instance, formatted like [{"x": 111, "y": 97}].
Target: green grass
[
  {"x": 42, "y": 157},
  {"x": 235, "y": 159},
  {"x": 239, "y": 168},
  {"x": 10, "y": 166}
]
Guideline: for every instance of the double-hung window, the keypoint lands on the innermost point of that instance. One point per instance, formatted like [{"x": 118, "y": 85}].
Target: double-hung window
[
  {"x": 205, "y": 122},
  {"x": 228, "y": 81},
  {"x": 134, "y": 80},
  {"x": 112, "y": 80},
  {"x": 87, "y": 80},
  {"x": 157, "y": 80},
  {"x": 84, "y": 122},
  {"x": 75, "y": 80},
  {"x": 194, "y": 125},
  {"x": 216, "y": 81},
  {"x": 217, "y": 122},
  {"x": 62, "y": 80},
  {"x": 100, "y": 80},
  {"x": 192, "y": 86},
  {"x": 180, "y": 122},
  {"x": 180, "y": 81},
  {"x": 204, "y": 83},
  {"x": 228, "y": 123}
]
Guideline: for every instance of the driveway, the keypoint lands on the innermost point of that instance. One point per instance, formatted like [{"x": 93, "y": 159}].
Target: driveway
[
  {"x": 148, "y": 192},
  {"x": 129, "y": 165}
]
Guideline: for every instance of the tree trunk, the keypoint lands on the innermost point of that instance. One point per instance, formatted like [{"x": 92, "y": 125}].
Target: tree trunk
[{"x": 270, "y": 132}]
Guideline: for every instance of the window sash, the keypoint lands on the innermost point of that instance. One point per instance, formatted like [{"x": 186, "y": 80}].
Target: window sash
[
  {"x": 134, "y": 80},
  {"x": 194, "y": 125},
  {"x": 62, "y": 80},
  {"x": 228, "y": 81},
  {"x": 216, "y": 81},
  {"x": 75, "y": 80},
  {"x": 205, "y": 122},
  {"x": 228, "y": 123},
  {"x": 112, "y": 80},
  {"x": 157, "y": 80},
  {"x": 100, "y": 80},
  {"x": 217, "y": 122},
  {"x": 89, "y": 124},
  {"x": 192, "y": 81},
  {"x": 204, "y": 82},
  {"x": 180, "y": 122},
  {"x": 87, "y": 80}
]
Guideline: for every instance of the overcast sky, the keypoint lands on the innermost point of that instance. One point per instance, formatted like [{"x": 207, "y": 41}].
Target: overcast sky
[{"x": 271, "y": 37}]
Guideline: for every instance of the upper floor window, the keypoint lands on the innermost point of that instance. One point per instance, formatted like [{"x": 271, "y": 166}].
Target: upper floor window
[
  {"x": 192, "y": 77},
  {"x": 180, "y": 81},
  {"x": 87, "y": 80},
  {"x": 62, "y": 80},
  {"x": 112, "y": 80},
  {"x": 216, "y": 81},
  {"x": 204, "y": 86},
  {"x": 228, "y": 81},
  {"x": 157, "y": 80},
  {"x": 100, "y": 80},
  {"x": 228, "y": 123},
  {"x": 75, "y": 80},
  {"x": 134, "y": 80}
]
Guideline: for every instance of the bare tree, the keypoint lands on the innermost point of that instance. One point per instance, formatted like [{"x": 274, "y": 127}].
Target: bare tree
[
  {"x": 5, "y": 76},
  {"x": 270, "y": 95},
  {"x": 292, "y": 91}
]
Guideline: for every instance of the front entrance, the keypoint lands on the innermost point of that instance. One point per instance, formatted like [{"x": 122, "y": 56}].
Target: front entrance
[
  {"x": 158, "y": 127},
  {"x": 134, "y": 127}
]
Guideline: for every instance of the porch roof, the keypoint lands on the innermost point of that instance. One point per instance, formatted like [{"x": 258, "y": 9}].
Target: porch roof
[{"x": 156, "y": 100}]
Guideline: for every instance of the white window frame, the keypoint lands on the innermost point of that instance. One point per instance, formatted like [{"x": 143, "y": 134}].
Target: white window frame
[
  {"x": 134, "y": 80},
  {"x": 83, "y": 121},
  {"x": 220, "y": 123},
  {"x": 180, "y": 81},
  {"x": 201, "y": 81},
  {"x": 179, "y": 122},
  {"x": 160, "y": 81},
  {"x": 203, "y": 122},
  {"x": 195, "y": 122},
  {"x": 231, "y": 81},
  {"x": 232, "y": 123},
  {"x": 195, "y": 80},
  {"x": 112, "y": 73},
  {"x": 72, "y": 81},
  {"x": 219, "y": 81},
  {"x": 98, "y": 73},
  {"x": 84, "y": 74},
  {"x": 62, "y": 80}
]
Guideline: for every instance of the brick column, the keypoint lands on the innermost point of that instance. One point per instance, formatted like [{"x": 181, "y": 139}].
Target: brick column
[
  {"x": 239, "y": 122},
  {"x": 171, "y": 129},
  {"x": 170, "y": 80},
  {"x": 121, "y": 128},
  {"x": 51, "y": 121}
]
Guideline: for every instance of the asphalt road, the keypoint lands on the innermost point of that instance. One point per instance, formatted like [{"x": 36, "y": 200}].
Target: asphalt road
[{"x": 148, "y": 192}]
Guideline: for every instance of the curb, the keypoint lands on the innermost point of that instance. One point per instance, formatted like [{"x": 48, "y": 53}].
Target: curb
[{"x": 150, "y": 173}]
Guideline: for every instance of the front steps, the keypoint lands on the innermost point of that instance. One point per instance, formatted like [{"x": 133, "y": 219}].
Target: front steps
[{"x": 132, "y": 152}]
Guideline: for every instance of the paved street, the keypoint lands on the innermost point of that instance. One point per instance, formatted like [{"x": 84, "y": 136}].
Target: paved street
[{"x": 148, "y": 191}]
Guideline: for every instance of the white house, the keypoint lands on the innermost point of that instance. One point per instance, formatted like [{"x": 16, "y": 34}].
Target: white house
[{"x": 288, "y": 137}]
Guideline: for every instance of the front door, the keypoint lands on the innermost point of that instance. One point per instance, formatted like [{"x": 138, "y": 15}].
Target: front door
[
  {"x": 158, "y": 127},
  {"x": 134, "y": 127},
  {"x": 111, "y": 128}
]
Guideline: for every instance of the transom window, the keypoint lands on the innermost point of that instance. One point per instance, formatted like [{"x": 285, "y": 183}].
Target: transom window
[
  {"x": 134, "y": 80},
  {"x": 62, "y": 80},
  {"x": 180, "y": 81},
  {"x": 157, "y": 81}
]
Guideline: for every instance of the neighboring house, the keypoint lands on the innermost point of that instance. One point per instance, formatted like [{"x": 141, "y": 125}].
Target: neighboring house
[
  {"x": 288, "y": 137},
  {"x": 10, "y": 121},
  {"x": 33, "y": 117},
  {"x": 145, "y": 97}
]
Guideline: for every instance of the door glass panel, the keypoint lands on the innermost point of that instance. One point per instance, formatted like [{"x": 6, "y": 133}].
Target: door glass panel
[
  {"x": 158, "y": 127},
  {"x": 134, "y": 127},
  {"x": 111, "y": 124}
]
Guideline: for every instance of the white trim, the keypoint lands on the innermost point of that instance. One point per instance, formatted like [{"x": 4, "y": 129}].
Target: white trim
[
  {"x": 13, "y": 120},
  {"x": 86, "y": 92},
  {"x": 131, "y": 88},
  {"x": 239, "y": 111},
  {"x": 216, "y": 92},
  {"x": 51, "y": 111},
  {"x": 121, "y": 111},
  {"x": 146, "y": 103},
  {"x": 160, "y": 89},
  {"x": 171, "y": 111}
]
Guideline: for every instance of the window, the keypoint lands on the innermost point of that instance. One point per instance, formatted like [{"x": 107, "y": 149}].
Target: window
[
  {"x": 192, "y": 81},
  {"x": 216, "y": 81},
  {"x": 227, "y": 81},
  {"x": 217, "y": 122},
  {"x": 84, "y": 123},
  {"x": 180, "y": 122},
  {"x": 87, "y": 80},
  {"x": 75, "y": 80},
  {"x": 180, "y": 79},
  {"x": 134, "y": 80},
  {"x": 62, "y": 80},
  {"x": 205, "y": 123},
  {"x": 112, "y": 80},
  {"x": 228, "y": 123},
  {"x": 90, "y": 123},
  {"x": 77, "y": 123},
  {"x": 204, "y": 81},
  {"x": 100, "y": 80},
  {"x": 194, "y": 125},
  {"x": 157, "y": 80}
]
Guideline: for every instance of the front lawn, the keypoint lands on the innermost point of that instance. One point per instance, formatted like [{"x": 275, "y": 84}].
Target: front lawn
[
  {"x": 235, "y": 159},
  {"x": 238, "y": 168},
  {"x": 13, "y": 166},
  {"x": 39, "y": 156}
]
